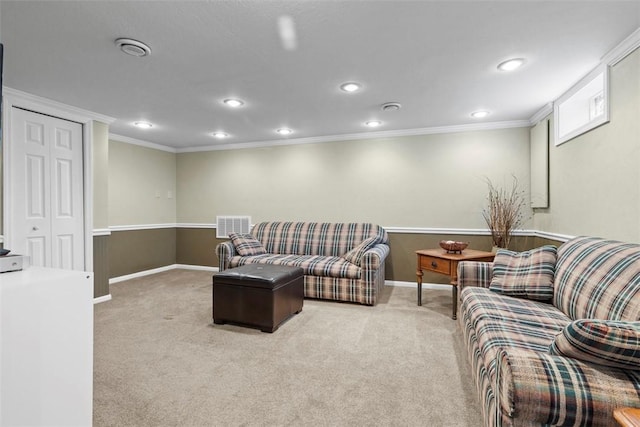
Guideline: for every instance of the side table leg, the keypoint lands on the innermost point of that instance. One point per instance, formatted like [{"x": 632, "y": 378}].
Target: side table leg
[
  {"x": 454, "y": 292},
  {"x": 419, "y": 277}
]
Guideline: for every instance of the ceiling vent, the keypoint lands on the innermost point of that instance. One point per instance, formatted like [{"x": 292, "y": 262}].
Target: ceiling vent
[
  {"x": 226, "y": 224},
  {"x": 391, "y": 106},
  {"x": 133, "y": 47}
]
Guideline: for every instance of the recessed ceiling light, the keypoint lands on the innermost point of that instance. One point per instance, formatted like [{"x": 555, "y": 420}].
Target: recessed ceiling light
[
  {"x": 143, "y": 125},
  {"x": 284, "y": 131},
  {"x": 231, "y": 102},
  {"x": 220, "y": 135},
  {"x": 373, "y": 123},
  {"x": 133, "y": 47},
  {"x": 479, "y": 114},
  {"x": 350, "y": 86},
  {"x": 511, "y": 64}
]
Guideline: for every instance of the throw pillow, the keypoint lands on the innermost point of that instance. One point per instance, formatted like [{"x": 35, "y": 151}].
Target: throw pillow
[
  {"x": 525, "y": 274},
  {"x": 604, "y": 342},
  {"x": 354, "y": 256},
  {"x": 246, "y": 244}
]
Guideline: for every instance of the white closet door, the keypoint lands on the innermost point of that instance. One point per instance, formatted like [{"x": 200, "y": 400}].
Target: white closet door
[{"x": 47, "y": 197}]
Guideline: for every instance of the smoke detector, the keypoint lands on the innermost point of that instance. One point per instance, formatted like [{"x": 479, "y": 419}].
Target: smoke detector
[
  {"x": 133, "y": 47},
  {"x": 391, "y": 106}
]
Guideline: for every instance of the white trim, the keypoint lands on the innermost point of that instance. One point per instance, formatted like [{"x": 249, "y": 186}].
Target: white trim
[
  {"x": 196, "y": 267},
  {"x": 141, "y": 227},
  {"x": 141, "y": 274},
  {"x": 103, "y": 298},
  {"x": 196, "y": 225},
  {"x": 101, "y": 232},
  {"x": 414, "y": 285},
  {"x": 541, "y": 114},
  {"x": 161, "y": 270},
  {"x": 55, "y": 108},
  {"x": 147, "y": 144},
  {"x": 364, "y": 135},
  {"x": 15, "y": 98},
  {"x": 623, "y": 49},
  {"x": 552, "y": 236},
  {"x": 390, "y": 229}
]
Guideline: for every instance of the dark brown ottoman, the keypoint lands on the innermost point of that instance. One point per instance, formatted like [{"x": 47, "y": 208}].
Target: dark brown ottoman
[{"x": 258, "y": 295}]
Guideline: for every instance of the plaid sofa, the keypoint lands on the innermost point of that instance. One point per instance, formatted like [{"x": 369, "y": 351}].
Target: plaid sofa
[
  {"x": 319, "y": 248},
  {"x": 519, "y": 380}
]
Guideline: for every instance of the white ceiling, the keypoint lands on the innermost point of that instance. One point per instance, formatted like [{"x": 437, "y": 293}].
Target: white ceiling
[{"x": 437, "y": 58}]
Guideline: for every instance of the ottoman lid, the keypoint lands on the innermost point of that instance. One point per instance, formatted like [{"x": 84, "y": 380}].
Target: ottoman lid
[{"x": 259, "y": 275}]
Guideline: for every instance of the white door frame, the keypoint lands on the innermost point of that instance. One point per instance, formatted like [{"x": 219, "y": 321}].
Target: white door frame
[{"x": 15, "y": 98}]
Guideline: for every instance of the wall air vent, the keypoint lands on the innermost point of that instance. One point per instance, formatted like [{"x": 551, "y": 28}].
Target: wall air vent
[{"x": 226, "y": 224}]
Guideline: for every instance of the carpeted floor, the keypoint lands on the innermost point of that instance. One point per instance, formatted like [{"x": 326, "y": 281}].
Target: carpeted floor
[{"x": 159, "y": 361}]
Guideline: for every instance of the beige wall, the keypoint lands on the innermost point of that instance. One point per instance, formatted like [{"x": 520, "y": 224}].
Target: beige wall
[
  {"x": 417, "y": 181},
  {"x": 100, "y": 170},
  {"x": 595, "y": 178},
  {"x": 140, "y": 179}
]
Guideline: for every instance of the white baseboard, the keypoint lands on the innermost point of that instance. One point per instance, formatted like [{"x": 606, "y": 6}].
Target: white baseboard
[
  {"x": 213, "y": 269},
  {"x": 196, "y": 267},
  {"x": 414, "y": 285},
  {"x": 103, "y": 298},
  {"x": 160, "y": 270}
]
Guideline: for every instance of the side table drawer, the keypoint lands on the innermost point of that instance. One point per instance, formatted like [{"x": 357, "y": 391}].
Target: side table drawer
[{"x": 438, "y": 265}]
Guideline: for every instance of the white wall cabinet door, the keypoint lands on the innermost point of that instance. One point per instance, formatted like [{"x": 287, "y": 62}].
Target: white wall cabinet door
[
  {"x": 47, "y": 197},
  {"x": 46, "y": 348}
]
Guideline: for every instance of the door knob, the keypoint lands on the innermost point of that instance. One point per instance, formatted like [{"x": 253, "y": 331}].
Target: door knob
[{"x": 35, "y": 228}]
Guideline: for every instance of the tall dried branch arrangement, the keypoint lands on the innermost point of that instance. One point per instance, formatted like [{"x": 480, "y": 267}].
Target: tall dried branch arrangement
[{"x": 504, "y": 212}]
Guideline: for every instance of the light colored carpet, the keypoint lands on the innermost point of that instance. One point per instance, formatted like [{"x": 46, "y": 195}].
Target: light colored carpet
[{"x": 160, "y": 361}]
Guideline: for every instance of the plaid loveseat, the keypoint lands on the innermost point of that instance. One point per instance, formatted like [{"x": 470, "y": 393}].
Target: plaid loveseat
[
  {"x": 520, "y": 379},
  {"x": 322, "y": 250}
]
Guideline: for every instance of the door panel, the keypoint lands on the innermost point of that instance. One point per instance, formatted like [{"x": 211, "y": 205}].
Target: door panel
[{"x": 47, "y": 198}]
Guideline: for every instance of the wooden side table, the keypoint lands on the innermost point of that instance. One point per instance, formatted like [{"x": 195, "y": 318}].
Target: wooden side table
[
  {"x": 627, "y": 417},
  {"x": 440, "y": 261}
]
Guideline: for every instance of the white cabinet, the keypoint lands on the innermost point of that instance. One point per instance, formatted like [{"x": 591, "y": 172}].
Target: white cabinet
[{"x": 46, "y": 347}]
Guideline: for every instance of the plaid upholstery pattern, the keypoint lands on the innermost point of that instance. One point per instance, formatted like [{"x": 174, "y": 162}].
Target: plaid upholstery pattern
[
  {"x": 319, "y": 248},
  {"x": 246, "y": 244},
  {"x": 355, "y": 255},
  {"x": 598, "y": 279},
  {"x": 476, "y": 274},
  {"x": 525, "y": 274},
  {"x": 313, "y": 265},
  {"x": 491, "y": 322},
  {"x": 553, "y": 390},
  {"x": 509, "y": 339},
  {"x": 315, "y": 238},
  {"x": 603, "y": 342}
]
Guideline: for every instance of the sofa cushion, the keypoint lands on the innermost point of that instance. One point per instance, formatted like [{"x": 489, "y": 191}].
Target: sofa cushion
[
  {"x": 246, "y": 244},
  {"x": 525, "y": 274},
  {"x": 354, "y": 256},
  {"x": 313, "y": 265},
  {"x": 609, "y": 343},
  {"x": 315, "y": 238},
  {"x": 598, "y": 279}
]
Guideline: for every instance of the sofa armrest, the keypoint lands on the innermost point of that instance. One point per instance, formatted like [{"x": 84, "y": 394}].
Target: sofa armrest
[
  {"x": 474, "y": 273},
  {"x": 225, "y": 251},
  {"x": 537, "y": 388},
  {"x": 374, "y": 257}
]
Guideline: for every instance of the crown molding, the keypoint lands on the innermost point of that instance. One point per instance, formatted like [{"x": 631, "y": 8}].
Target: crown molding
[
  {"x": 72, "y": 113},
  {"x": 141, "y": 143},
  {"x": 623, "y": 49},
  {"x": 541, "y": 114},
  {"x": 363, "y": 135}
]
